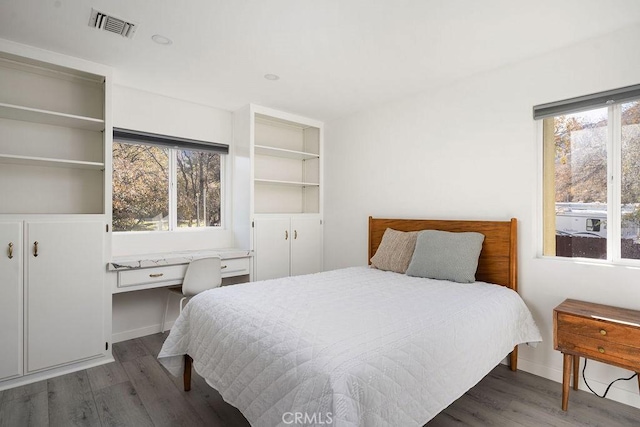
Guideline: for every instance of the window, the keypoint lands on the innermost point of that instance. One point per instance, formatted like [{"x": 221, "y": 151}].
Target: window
[
  {"x": 165, "y": 183},
  {"x": 591, "y": 176},
  {"x": 593, "y": 224}
]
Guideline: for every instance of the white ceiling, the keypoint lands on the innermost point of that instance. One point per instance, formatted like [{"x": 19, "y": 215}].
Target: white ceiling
[{"x": 334, "y": 57}]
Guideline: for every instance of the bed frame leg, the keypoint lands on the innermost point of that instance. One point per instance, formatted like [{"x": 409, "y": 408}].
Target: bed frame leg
[
  {"x": 187, "y": 372},
  {"x": 513, "y": 359}
]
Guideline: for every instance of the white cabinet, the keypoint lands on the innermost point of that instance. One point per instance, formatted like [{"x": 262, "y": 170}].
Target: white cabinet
[
  {"x": 306, "y": 245},
  {"x": 59, "y": 268},
  {"x": 287, "y": 246},
  {"x": 10, "y": 299},
  {"x": 271, "y": 247},
  {"x": 278, "y": 165},
  {"x": 65, "y": 272},
  {"x": 55, "y": 175}
]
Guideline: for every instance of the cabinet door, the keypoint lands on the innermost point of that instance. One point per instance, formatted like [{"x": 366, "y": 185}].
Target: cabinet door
[
  {"x": 10, "y": 299},
  {"x": 64, "y": 292},
  {"x": 271, "y": 245},
  {"x": 306, "y": 246}
]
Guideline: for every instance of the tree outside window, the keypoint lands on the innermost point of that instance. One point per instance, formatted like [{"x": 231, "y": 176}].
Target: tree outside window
[
  {"x": 157, "y": 188},
  {"x": 581, "y": 151}
]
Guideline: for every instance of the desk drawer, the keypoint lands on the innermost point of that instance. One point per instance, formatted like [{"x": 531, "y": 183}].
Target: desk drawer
[
  {"x": 235, "y": 267},
  {"x": 145, "y": 276},
  {"x": 599, "y": 329}
]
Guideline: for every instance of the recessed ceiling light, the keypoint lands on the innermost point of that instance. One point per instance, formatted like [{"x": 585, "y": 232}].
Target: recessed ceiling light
[
  {"x": 271, "y": 77},
  {"x": 161, "y": 39}
]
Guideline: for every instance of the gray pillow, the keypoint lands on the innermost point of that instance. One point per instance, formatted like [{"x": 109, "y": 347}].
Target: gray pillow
[
  {"x": 446, "y": 256},
  {"x": 395, "y": 250}
]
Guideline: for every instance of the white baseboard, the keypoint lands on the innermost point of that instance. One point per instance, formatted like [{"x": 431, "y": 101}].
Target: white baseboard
[
  {"x": 140, "y": 332},
  {"x": 55, "y": 372},
  {"x": 615, "y": 393}
]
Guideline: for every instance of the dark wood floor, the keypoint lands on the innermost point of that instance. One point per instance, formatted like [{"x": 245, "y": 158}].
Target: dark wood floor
[{"x": 137, "y": 391}]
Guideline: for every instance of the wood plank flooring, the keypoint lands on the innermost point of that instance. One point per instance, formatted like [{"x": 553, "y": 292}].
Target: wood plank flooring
[{"x": 136, "y": 391}]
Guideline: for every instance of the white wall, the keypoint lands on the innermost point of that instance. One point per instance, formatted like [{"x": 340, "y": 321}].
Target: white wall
[
  {"x": 145, "y": 111},
  {"x": 471, "y": 151},
  {"x": 139, "y": 313}
]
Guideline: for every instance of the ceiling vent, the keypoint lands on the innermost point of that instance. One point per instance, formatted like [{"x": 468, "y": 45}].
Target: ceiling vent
[{"x": 105, "y": 22}]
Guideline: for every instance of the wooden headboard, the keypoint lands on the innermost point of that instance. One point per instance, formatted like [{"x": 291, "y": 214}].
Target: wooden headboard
[{"x": 498, "y": 260}]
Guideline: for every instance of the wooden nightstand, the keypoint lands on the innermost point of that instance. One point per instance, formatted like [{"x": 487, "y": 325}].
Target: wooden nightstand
[{"x": 598, "y": 332}]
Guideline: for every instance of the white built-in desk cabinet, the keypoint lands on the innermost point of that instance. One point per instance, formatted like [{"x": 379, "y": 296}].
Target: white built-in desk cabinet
[
  {"x": 150, "y": 271},
  {"x": 278, "y": 188},
  {"x": 55, "y": 207}
]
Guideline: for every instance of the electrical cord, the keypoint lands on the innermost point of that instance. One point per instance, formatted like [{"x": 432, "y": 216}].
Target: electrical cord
[{"x": 609, "y": 386}]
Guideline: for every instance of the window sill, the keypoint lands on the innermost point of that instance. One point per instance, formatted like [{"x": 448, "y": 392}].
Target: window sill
[
  {"x": 634, "y": 264},
  {"x": 126, "y": 243}
]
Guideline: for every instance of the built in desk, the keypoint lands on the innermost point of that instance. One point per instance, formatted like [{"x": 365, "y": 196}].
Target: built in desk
[{"x": 150, "y": 271}]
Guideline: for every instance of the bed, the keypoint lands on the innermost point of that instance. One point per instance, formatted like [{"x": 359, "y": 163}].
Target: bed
[{"x": 356, "y": 346}]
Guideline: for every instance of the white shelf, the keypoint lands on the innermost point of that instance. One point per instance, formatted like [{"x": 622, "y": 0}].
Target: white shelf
[
  {"x": 44, "y": 161},
  {"x": 281, "y": 152},
  {"x": 27, "y": 114},
  {"x": 286, "y": 183}
]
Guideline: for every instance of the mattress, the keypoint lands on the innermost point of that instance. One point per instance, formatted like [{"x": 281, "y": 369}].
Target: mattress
[{"x": 350, "y": 347}]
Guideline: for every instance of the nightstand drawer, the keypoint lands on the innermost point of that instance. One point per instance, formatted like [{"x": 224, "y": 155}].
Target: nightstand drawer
[
  {"x": 599, "y": 329},
  {"x": 599, "y": 349}
]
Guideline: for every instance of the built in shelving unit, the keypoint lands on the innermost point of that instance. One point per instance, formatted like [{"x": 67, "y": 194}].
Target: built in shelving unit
[
  {"x": 286, "y": 166},
  {"x": 55, "y": 211},
  {"x": 278, "y": 165},
  {"x": 52, "y": 146}
]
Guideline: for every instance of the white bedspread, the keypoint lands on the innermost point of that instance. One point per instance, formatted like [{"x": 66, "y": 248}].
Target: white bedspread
[{"x": 350, "y": 347}]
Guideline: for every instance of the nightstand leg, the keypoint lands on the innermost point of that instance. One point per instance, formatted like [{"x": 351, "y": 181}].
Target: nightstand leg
[
  {"x": 566, "y": 377},
  {"x": 576, "y": 368}
]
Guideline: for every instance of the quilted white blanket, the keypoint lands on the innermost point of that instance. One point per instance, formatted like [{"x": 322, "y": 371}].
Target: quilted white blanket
[{"x": 350, "y": 347}]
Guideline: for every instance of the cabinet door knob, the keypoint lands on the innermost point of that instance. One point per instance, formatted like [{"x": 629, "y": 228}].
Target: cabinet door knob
[
  {"x": 603, "y": 332},
  {"x": 10, "y": 250},
  {"x": 601, "y": 350},
  {"x": 295, "y": 234},
  {"x": 35, "y": 248},
  {"x": 286, "y": 235}
]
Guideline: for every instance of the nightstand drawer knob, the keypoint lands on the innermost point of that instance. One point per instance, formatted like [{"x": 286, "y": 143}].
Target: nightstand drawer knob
[
  {"x": 603, "y": 332},
  {"x": 601, "y": 350}
]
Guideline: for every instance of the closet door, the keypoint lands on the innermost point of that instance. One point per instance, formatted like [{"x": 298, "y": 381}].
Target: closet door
[
  {"x": 306, "y": 246},
  {"x": 271, "y": 245},
  {"x": 64, "y": 292},
  {"x": 10, "y": 299}
]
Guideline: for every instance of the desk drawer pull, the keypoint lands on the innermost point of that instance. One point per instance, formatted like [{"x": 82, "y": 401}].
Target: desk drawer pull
[
  {"x": 603, "y": 332},
  {"x": 601, "y": 349},
  {"x": 156, "y": 275}
]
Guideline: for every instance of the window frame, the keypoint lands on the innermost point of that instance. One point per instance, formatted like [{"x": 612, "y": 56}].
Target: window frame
[
  {"x": 173, "y": 193},
  {"x": 614, "y": 191}
]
